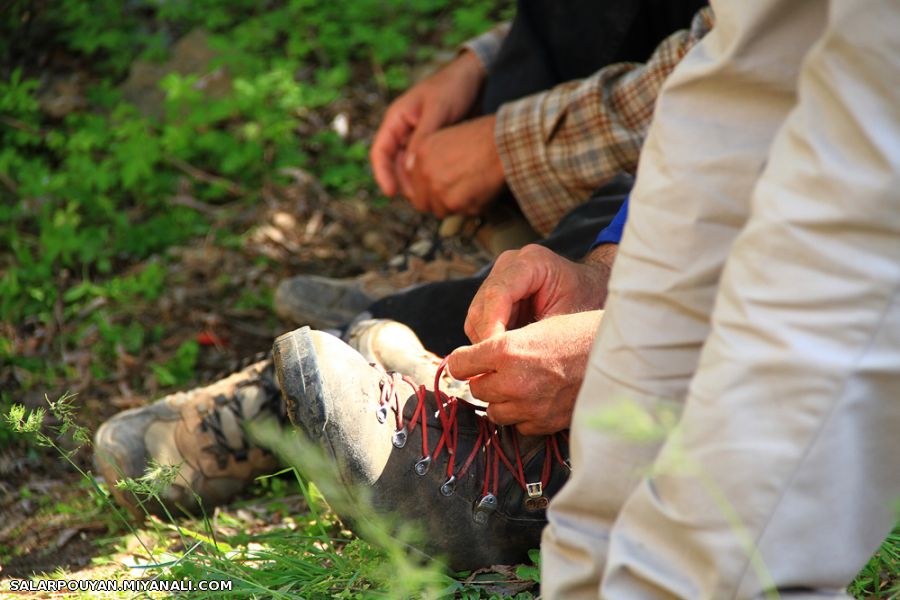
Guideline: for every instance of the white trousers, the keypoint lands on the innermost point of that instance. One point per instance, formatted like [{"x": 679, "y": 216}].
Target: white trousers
[{"x": 756, "y": 290}]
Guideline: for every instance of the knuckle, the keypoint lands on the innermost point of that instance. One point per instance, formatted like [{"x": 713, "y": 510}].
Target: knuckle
[
  {"x": 533, "y": 252},
  {"x": 473, "y": 317},
  {"x": 492, "y": 294},
  {"x": 527, "y": 428},
  {"x": 507, "y": 256},
  {"x": 497, "y": 414},
  {"x": 503, "y": 347},
  {"x": 471, "y": 210},
  {"x": 476, "y": 386}
]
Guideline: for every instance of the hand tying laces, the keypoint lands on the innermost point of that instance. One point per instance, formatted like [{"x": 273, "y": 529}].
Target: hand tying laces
[{"x": 487, "y": 443}]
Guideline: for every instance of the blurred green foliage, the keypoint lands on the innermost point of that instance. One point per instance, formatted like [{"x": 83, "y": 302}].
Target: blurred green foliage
[{"x": 86, "y": 197}]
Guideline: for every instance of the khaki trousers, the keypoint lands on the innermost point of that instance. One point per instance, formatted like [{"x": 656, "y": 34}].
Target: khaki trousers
[{"x": 756, "y": 292}]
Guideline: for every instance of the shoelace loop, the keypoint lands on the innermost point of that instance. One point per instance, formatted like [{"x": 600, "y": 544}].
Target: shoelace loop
[
  {"x": 212, "y": 420},
  {"x": 487, "y": 443}
]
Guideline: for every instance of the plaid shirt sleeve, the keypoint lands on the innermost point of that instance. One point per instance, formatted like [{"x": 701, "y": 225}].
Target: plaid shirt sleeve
[
  {"x": 558, "y": 146},
  {"x": 487, "y": 45}
]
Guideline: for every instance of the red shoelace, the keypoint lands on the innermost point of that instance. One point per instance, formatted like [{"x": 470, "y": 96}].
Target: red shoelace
[{"x": 488, "y": 442}]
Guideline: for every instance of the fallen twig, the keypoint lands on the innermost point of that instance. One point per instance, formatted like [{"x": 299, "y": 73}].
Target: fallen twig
[
  {"x": 200, "y": 175},
  {"x": 9, "y": 184}
]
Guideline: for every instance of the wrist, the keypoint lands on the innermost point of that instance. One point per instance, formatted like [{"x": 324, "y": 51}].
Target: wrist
[
  {"x": 603, "y": 255},
  {"x": 457, "y": 85},
  {"x": 599, "y": 263},
  {"x": 469, "y": 74},
  {"x": 469, "y": 64},
  {"x": 496, "y": 163}
]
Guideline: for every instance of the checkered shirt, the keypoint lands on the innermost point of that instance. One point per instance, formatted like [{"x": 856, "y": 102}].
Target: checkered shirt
[{"x": 560, "y": 145}]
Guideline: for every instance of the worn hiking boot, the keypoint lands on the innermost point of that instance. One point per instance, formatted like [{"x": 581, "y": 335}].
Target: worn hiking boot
[
  {"x": 393, "y": 346},
  {"x": 479, "y": 491},
  {"x": 200, "y": 430},
  {"x": 327, "y": 303}
]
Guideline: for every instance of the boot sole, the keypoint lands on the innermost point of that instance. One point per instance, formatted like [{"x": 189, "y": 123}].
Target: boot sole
[{"x": 297, "y": 372}]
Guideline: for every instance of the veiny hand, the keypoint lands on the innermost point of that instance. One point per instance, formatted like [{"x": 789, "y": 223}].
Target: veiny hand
[
  {"x": 534, "y": 283},
  {"x": 530, "y": 377},
  {"x": 438, "y": 101},
  {"x": 454, "y": 170}
]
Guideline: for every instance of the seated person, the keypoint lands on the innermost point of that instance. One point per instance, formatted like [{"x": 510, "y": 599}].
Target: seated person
[
  {"x": 565, "y": 116},
  {"x": 202, "y": 430}
]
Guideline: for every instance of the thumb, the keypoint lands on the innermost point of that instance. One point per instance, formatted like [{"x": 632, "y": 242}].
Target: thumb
[
  {"x": 429, "y": 122},
  {"x": 467, "y": 362}
]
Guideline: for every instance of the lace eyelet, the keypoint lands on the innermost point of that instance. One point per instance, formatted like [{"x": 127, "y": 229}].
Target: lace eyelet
[
  {"x": 423, "y": 465},
  {"x": 449, "y": 486}
]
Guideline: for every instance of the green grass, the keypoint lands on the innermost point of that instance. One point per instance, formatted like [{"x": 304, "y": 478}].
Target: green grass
[
  {"x": 88, "y": 223},
  {"x": 288, "y": 542},
  {"x": 88, "y": 201},
  {"x": 280, "y": 545},
  {"x": 880, "y": 578}
]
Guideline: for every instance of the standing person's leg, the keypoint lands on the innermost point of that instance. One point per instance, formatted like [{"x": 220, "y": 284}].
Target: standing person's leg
[
  {"x": 783, "y": 477},
  {"x": 714, "y": 124}
]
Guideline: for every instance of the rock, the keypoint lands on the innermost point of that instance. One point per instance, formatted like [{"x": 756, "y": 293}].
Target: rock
[
  {"x": 421, "y": 248},
  {"x": 397, "y": 262},
  {"x": 284, "y": 221},
  {"x": 341, "y": 125},
  {"x": 451, "y": 226}
]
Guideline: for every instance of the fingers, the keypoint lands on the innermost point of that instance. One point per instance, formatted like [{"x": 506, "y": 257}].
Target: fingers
[
  {"x": 529, "y": 417},
  {"x": 420, "y": 183},
  {"x": 432, "y": 119},
  {"x": 467, "y": 362},
  {"x": 392, "y": 136},
  {"x": 490, "y": 314},
  {"x": 402, "y": 177},
  {"x": 414, "y": 164},
  {"x": 501, "y": 300},
  {"x": 489, "y": 367}
]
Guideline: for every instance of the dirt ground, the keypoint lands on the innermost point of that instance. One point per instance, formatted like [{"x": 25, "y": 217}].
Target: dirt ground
[
  {"x": 304, "y": 231},
  {"x": 217, "y": 293},
  {"x": 292, "y": 229}
]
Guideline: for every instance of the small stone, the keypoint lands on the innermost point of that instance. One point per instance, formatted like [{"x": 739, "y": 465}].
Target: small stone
[
  {"x": 421, "y": 248},
  {"x": 284, "y": 221},
  {"x": 341, "y": 125},
  {"x": 451, "y": 226}
]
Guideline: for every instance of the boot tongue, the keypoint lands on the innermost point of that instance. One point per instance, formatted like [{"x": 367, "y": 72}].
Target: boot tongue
[
  {"x": 528, "y": 444},
  {"x": 231, "y": 429},
  {"x": 251, "y": 400}
]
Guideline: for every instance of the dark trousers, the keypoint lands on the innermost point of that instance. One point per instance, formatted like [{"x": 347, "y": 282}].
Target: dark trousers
[
  {"x": 550, "y": 42},
  {"x": 436, "y": 311}
]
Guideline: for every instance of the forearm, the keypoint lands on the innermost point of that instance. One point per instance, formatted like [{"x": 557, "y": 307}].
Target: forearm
[
  {"x": 600, "y": 261},
  {"x": 487, "y": 46}
]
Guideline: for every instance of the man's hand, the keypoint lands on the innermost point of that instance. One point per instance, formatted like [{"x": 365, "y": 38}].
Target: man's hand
[
  {"x": 534, "y": 283},
  {"x": 454, "y": 170},
  {"x": 438, "y": 101},
  {"x": 530, "y": 376}
]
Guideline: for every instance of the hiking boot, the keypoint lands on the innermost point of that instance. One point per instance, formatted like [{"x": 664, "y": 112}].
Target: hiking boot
[
  {"x": 393, "y": 346},
  {"x": 478, "y": 490},
  {"x": 200, "y": 430},
  {"x": 327, "y": 303}
]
